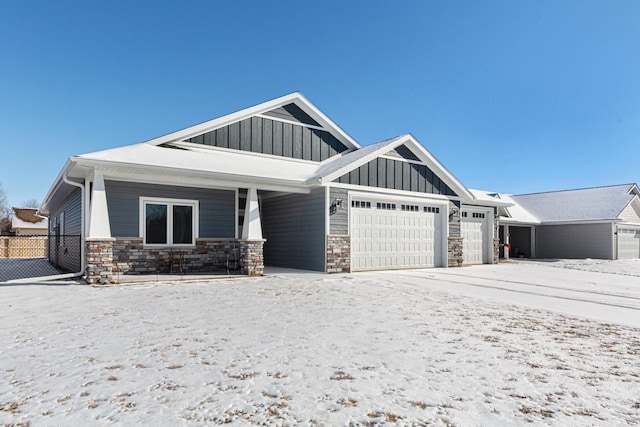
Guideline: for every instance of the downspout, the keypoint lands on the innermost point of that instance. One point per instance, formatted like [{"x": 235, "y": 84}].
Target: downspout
[{"x": 82, "y": 239}]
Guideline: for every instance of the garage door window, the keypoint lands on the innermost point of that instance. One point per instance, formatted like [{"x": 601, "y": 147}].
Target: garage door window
[
  {"x": 360, "y": 204},
  {"x": 386, "y": 206}
]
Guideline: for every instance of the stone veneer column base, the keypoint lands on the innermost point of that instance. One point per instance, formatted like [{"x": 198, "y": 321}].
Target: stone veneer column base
[
  {"x": 455, "y": 251},
  {"x": 252, "y": 257},
  {"x": 338, "y": 254},
  {"x": 99, "y": 261},
  {"x": 496, "y": 251}
]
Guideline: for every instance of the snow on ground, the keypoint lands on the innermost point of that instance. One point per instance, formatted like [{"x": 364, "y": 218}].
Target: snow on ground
[
  {"x": 313, "y": 349},
  {"x": 627, "y": 267}
]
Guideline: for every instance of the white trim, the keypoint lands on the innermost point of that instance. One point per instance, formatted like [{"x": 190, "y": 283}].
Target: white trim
[
  {"x": 213, "y": 181},
  {"x": 195, "y": 224},
  {"x": 293, "y": 122},
  {"x": 192, "y": 146},
  {"x": 327, "y": 224},
  {"x": 237, "y": 211},
  {"x": 295, "y": 98},
  {"x": 399, "y": 193}
]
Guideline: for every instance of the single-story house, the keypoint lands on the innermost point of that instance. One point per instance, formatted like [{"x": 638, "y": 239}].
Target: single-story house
[
  {"x": 26, "y": 221},
  {"x": 277, "y": 184},
  {"x": 601, "y": 223}
]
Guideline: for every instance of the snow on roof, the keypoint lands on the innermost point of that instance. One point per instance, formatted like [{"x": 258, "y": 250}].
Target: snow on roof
[
  {"x": 586, "y": 204},
  {"x": 28, "y": 218},
  {"x": 206, "y": 160},
  {"x": 353, "y": 156}
]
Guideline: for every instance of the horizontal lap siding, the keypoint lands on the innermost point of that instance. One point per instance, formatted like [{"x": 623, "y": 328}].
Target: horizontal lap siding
[
  {"x": 294, "y": 229},
  {"x": 339, "y": 217},
  {"x": 575, "y": 241},
  {"x": 67, "y": 255},
  {"x": 217, "y": 207},
  {"x": 260, "y": 135}
]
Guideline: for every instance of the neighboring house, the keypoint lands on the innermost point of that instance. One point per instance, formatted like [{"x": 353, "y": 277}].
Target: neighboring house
[
  {"x": 277, "y": 184},
  {"x": 26, "y": 221},
  {"x": 602, "y": 222}
]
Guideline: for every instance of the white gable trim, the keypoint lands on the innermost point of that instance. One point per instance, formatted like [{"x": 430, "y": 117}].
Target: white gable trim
[
  {"x": 295, "y": 98},
  {"x": 417, "y": 149}
]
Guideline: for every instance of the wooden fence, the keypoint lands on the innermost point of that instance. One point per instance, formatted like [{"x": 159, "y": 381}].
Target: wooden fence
[{"x": 23, "y": 247}]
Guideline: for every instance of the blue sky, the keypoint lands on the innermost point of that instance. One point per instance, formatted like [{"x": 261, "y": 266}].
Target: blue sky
[{"x": 512, "y": 96}]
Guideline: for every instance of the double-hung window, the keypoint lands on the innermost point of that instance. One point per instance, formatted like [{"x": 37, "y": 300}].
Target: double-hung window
[{"x": 168, "y": 222}]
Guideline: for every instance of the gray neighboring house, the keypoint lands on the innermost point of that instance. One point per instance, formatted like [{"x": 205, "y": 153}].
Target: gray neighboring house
[
  {"x": 601, "y": 223},
  {"x": 277, "y": 184}
]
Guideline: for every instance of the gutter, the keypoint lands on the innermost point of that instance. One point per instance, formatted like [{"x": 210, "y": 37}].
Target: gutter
[{"x": 82, "y": 239}]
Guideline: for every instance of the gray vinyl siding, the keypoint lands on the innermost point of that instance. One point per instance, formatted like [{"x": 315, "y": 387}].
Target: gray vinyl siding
[
  {"x": 397, "y": 175},
  {"x": 339, "y": 216},
  {"x": 65, "y": 250},
  {"x": 294, "y": 228},
  {"x": 260, "y": 135},
  {"x": 454, "y": 221},
  {"x": 216, "y": 214},
  {"x": 575, "y": 241},
  {"x": 293, "y": 113}
]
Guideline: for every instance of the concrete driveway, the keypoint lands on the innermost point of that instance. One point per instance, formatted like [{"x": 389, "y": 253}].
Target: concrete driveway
[{"x": 610, "y": 294}]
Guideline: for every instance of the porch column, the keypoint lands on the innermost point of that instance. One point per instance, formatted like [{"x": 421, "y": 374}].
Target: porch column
[
  {"x": 533, "y": 241},
  {"x": 252, "y": 227},
  {"x": 506, "y": 242},
  {"x": 99, "y": 243}
]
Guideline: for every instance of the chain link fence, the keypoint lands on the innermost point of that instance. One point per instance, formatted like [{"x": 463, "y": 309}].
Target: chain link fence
[{"x": 23, "y": 257}]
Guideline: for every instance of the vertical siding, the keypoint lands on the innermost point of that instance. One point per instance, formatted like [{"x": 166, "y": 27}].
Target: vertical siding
[
  {"x": 294, "y": 228},
  {"x": 217, "y": 207},
  {"x": 397, "y": 175},
  {"x": 575, "y": 241},
  {"x": 339, "y": 218},
  {"x": 65, "y": 251},
  {"x": 260, "y": 135}
]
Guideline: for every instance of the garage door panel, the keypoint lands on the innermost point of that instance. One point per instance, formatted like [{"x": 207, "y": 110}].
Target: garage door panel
[
  {"x": 628, "y": 243},
  {"x": 474, "y": 230},
  {"x": 398, "y": 238}
]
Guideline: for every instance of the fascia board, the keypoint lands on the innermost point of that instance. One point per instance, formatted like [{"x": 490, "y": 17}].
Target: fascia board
[
  {"x": 496, "y": 203},
  {"x": 438, "y": 168},
  {"x": 178, "y": 174},
  {"x": 44, "y": 206},
  {"x": 325, "y": 121},
  {"x": 595, "y": 221},
  {"x": 391, "y": 192},
  {"x": 228, "y": 119}
]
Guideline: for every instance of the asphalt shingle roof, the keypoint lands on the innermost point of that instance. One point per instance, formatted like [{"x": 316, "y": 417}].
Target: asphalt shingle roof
[{"x": 587, "y": 204}]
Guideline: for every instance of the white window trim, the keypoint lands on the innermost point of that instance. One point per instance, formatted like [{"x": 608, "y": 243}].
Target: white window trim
[{"x": 169, "y": 203}]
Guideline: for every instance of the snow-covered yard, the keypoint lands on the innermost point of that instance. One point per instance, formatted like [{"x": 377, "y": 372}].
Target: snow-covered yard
[{"x": 421, "y": 347}]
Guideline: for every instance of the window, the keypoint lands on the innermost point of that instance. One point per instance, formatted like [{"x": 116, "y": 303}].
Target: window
[
  {"x": 360, "y": 204},
  {"x": 386, "y": 206},
  {"x": 168, "y": 222},
  {"x": 431, "y": 209},
  {"x": 409, "y": 208}
]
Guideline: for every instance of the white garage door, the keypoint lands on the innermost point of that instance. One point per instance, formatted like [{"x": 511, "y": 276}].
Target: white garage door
[
  {"x": 628, "y": 243},
  {"x": 388, "y": 235},
  {"x": 474, "y": 230}
]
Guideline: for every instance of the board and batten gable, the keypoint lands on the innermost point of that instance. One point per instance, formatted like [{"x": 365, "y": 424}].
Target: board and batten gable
[
  {"x": 278, "y": 138},
  {"x": 397, "y": 175},
  {"x": 217, "y": 213},
  {"x": 575, "y": 241},
  {"x": 294, "y": 228}
]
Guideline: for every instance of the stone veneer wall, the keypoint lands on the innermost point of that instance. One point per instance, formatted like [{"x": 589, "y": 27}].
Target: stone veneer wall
[
  {"x": 99, "y": 265},
  {"x": 338, "y": 254},
  {"x": 251, "y": 257},
  {"x": 496, "y": 251},
  {"x": 130, "y": 257},
  {"x": 455, "y": 251}
]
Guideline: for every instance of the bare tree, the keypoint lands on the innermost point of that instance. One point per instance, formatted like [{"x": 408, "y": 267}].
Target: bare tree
[
  {"x": 31, "y": 203},
  {"x": 5, "y": 211}
]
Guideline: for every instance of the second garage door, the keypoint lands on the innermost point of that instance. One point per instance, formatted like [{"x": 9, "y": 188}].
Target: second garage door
[
  {"x": 474, "y": 230},
  {"x": 387, "y": 235},
  {"x": 628, "y": 243}
]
